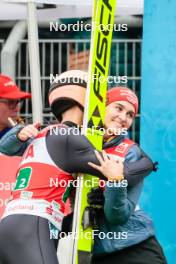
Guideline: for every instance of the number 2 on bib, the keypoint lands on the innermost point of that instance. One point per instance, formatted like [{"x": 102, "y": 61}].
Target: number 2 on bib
[{"x": 23, "y": 178}]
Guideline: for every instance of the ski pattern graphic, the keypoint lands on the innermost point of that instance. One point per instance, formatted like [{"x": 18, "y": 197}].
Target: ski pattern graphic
[{"x": 102, "y": 29}]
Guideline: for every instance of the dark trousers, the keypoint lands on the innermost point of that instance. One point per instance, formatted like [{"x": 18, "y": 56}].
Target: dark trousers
[
  {"x": 26, "y": 239},
  {"x": 146, "y": 252}
]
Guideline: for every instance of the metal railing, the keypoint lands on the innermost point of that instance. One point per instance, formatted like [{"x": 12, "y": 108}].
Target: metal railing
[{"x": 55, "y": 58}]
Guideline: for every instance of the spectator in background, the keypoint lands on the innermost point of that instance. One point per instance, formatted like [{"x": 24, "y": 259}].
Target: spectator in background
[
  {"x": 79, "y": 60},
  {"x": 10, "y": 102}
]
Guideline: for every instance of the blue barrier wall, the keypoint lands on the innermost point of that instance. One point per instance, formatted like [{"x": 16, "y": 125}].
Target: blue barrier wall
[{"x": 158, "y": 118}]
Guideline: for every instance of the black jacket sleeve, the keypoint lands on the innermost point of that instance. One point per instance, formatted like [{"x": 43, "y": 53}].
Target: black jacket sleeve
[
  {"x": 72, "y": 153},
  {"x": 136, "y": 171}
]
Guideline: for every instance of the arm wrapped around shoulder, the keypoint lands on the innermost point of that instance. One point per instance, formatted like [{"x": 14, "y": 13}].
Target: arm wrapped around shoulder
[{"x": 137, "y": 165}]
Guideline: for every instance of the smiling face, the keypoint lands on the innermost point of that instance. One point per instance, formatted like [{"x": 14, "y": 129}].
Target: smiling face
[{"x": 119, "y": 115}]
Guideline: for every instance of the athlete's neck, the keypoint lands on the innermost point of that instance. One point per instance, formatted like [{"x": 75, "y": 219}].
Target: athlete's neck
[{"x": 74, "y": 114}]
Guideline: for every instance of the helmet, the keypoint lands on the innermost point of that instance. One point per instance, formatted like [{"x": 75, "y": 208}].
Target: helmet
[{"x": 67, "y": 90}]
